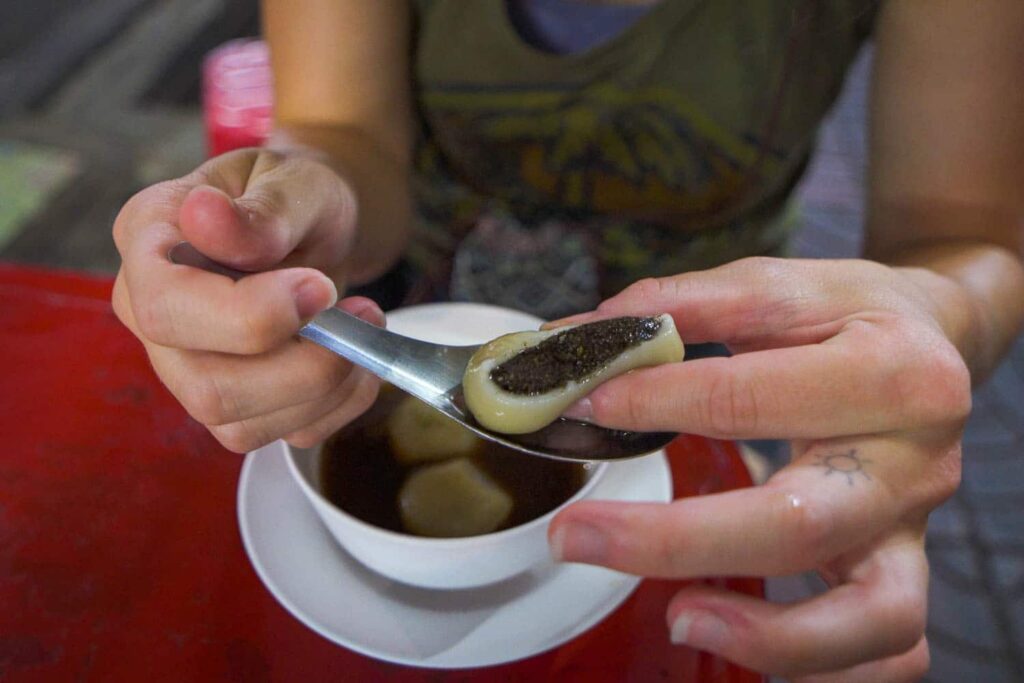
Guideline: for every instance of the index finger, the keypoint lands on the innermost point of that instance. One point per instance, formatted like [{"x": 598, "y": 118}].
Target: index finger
[
  {"x": 184, "y": 307},
  {"x": 855, "y": 383},
  {"x": 755, "y": 299}
]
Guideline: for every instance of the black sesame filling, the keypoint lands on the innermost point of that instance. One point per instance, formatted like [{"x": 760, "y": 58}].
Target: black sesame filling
[{"x": 571, "y": 355}]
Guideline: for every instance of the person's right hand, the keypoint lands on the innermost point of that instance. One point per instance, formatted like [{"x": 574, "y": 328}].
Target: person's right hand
[{"x": 228, "y": 350}]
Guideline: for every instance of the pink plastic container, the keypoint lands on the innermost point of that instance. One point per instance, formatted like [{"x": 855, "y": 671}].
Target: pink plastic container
[{"x": 238, "y": 96}]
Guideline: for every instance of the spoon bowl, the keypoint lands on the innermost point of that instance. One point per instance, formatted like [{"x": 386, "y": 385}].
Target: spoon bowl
[{"x": 433, "y": 373}]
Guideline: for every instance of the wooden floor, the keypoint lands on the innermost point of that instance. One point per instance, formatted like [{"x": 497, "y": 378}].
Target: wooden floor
[{"x": 105, "y": 109}]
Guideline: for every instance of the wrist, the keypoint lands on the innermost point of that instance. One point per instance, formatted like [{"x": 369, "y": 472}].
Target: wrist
[{"x": 975, "y": 291}]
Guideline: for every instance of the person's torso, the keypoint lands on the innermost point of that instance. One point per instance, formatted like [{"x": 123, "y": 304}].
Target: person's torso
[{"x": 671, "y": 146}]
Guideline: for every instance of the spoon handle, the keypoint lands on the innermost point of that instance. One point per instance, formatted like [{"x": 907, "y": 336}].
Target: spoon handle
[{"x": 428, "y": 371}]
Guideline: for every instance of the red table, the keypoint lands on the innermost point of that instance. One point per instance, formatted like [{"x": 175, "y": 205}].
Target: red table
[{"x": 120, "y": 558}]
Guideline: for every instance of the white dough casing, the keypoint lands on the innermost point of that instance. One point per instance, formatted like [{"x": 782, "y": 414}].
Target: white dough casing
[{"x": 510, "y": 413}]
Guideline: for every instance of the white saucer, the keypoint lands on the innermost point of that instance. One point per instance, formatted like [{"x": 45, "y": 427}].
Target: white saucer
[{"x": 331, "y": 593}]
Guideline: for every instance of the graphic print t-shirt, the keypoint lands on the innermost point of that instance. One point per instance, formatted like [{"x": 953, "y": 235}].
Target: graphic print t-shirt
[{"x": 545, "y": 181}]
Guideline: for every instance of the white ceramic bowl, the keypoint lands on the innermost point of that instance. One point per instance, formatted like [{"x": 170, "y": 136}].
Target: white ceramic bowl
[{"x": 449, "y": 562}]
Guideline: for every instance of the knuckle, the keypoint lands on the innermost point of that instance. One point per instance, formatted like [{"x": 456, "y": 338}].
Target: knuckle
[
  {"x": 812, "y": 528},
  {"x": 930, "y": 386},
  {"x": 124, "y": 218},
  {"x": 366, "y": 392},
  {"x": 666, "y": 552},
  {"x": 258, "y": 330},
  {"x": 889, "y": 374},
  {"x": 867, "y": 271},
  {"x": 120, "y": 229},
  {"x": 644, "y": 292},
  {"x": 160, "y": 196},
  {"x": 328, "y": 373},
  {"x": 206, "y": 402},
  {"x": 945, "y": 473},
  {"x": 119, "y": 301},
  {"x": 731, "y": 409},
  {"x": 918, "y": 663},
  {"x": 951, "y": 385},
  {"x": 120, "y": 308},
  {"x": 668, "y": 557},
  {"x": 356, "y": 403},
  {"x": 308, "y": 437},
  {"x": 763, "y": 264},
  {"x": 240, "y": 437},
  {"x": 638, "y": 408},
  {"x": 903, "y": 615},
  {"x": 773, "y": 272},
  {"x": 153, "y": 321}
]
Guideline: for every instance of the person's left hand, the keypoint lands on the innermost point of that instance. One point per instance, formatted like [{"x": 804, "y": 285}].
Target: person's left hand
[{"x": 854, "y": 362}]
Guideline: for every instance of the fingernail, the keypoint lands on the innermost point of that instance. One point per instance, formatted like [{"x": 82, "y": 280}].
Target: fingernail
[
  {"x": 556, "y": 544},
  {"x": 579, "y": 543},
  {"x": 582, "y": 409},
  {"x": 702, "y": 630},
  {"x": 364, "y": 310},
  {"x": 314, "y": 295},
  {"x": 568, "y": 320}
]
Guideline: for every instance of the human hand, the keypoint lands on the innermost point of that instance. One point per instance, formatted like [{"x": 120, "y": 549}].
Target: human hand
[
  {"x": 227, "y": 350},
  {"x": 856, "y": 363}
]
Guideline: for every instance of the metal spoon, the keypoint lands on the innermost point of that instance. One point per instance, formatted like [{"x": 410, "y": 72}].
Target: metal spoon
[{"x": 433, "y": 374}]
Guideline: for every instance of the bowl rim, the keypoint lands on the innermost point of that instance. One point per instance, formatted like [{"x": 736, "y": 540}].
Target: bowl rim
[{"x": 598, "y": 471}]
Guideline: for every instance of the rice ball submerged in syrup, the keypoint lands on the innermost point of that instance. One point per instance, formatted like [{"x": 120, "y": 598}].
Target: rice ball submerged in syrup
[{"x": 405, "y": 467}]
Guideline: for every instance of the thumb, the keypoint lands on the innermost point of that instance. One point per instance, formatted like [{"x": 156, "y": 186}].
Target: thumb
[{"x": 285, "y": 207}]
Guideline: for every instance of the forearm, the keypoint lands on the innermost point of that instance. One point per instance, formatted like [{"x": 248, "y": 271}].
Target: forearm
[
  {"x": 342, "y": 94},
  {"x": 947, "y": 136},
  {"x": 979, "y": 298},
  {"x": 381, "y": 188}
]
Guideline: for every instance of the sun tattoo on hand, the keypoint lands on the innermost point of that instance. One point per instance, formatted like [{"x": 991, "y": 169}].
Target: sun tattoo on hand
[{"x": 847, "y": 463}]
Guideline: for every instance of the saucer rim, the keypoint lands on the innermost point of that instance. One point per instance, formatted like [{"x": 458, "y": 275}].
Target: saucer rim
[{"x": 604, "y": 607}]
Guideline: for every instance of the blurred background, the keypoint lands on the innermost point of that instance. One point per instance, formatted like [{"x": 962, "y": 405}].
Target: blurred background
[{"x": 100, "y": 99}]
